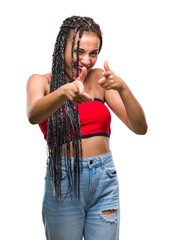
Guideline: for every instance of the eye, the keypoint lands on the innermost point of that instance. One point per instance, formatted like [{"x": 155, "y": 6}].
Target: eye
[
  {"x": 80, "y": 52},
  {"x": 94, "y": 53}
]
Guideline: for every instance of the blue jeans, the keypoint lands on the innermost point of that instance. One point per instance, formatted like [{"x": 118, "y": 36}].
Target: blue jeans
[{"x": 99, "y": 192}]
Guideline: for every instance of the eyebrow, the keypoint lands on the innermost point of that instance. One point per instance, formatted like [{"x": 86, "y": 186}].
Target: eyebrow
[{"x": 95, "y": 50}]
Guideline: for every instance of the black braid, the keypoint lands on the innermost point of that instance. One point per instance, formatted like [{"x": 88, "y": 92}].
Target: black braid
[
  {"x": 72, "y": 53},
  {"x": 78, "y": 43},
  {"x": 66, "y": 119}
]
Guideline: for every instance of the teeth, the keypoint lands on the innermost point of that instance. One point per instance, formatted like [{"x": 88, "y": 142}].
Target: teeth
[{"x": 80, "y": 68}]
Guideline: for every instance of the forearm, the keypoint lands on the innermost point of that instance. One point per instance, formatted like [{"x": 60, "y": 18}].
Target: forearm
[
  {"x": 42, "y": 108},
  {"x": 136, "y": 118}
]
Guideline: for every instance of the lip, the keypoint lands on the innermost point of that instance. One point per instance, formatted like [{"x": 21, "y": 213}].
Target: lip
[
  {"x": 75, "y": 71},
  {"x": 75, "y": 66},
  {"x": 80, "y": 70}
]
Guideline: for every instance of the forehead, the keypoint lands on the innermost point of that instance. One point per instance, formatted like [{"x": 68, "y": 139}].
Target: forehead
[{"x": 87, "y": 39}]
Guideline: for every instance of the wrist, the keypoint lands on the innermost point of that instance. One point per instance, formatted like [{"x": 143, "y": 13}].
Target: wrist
[
  {"x": 64, "y": 90},
  {"x": 123, "y": 87}
]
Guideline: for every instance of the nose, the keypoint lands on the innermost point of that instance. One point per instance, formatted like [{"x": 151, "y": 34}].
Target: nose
[{"x": 85, "y": 60}]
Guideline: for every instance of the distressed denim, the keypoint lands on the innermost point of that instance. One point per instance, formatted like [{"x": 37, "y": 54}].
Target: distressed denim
[{"x": 73, "y": 220}]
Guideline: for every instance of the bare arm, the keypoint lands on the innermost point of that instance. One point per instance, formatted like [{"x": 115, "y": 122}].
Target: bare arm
[
  {"x": 123, "y": 103},
  {"x": 127, "y": 108},
  {"x": 40, "y": 106},
  {"x": 135, "y": 114}
]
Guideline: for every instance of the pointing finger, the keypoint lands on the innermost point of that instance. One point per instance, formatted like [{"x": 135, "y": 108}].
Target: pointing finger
[
  {"x": 101, "y": 80},
  {"x": 87, "y": 97},
  {"x": 106, "y": 67},
  {"x": 82, "y": 75}
]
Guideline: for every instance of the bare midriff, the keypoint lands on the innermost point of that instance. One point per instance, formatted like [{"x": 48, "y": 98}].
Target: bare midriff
[{"x": 92, "y": 146}]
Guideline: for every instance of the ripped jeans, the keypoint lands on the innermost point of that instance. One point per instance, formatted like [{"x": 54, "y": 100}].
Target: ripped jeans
[{"x": 87, "y": 218}]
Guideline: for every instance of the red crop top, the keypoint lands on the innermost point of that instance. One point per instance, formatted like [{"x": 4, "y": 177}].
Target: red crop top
[{"x": 95, "y": 119}]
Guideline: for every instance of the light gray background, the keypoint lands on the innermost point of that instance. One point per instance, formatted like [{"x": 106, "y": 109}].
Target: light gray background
[{"x": 138, "y": 43}]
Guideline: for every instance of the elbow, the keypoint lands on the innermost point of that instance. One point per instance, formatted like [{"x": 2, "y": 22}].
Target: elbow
[
  {"x": 145, "y": 130},
  {"x": 142, "y": 130},
  {"x": 31, "y": 120},
  {"x": 31, "y": 117}
]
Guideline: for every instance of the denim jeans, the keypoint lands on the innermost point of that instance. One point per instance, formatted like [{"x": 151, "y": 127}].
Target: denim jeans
[{"x": 73, "y": 220}]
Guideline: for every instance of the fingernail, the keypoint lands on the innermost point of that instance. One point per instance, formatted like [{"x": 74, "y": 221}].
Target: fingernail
[{"x": 80, "y": 93}]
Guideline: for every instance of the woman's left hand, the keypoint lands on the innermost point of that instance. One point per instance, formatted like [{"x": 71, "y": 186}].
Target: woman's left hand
[{"x": 110, "y": 80}]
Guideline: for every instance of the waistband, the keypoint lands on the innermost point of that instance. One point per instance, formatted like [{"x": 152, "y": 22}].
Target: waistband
[{"x": 90, "y": 162}]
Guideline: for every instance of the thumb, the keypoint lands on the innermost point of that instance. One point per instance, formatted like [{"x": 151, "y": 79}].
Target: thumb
[
  {"x": 82, "y": 75},
  {"x": 106, "y": 67}
]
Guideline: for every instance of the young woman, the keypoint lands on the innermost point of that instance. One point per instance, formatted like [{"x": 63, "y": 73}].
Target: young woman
[{"x": 81, "y": 190}]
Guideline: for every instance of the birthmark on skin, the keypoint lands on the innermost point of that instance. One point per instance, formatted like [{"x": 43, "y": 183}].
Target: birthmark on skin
[{"x": 107, "y": 74}]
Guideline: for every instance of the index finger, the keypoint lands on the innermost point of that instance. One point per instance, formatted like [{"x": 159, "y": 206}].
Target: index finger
[
  {"x": 82, "y": 75},
  {"x": 87, "y": 97}
]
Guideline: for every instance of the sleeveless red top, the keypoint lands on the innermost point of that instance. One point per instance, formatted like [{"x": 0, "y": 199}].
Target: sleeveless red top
[{"x": 95, "y": 119}]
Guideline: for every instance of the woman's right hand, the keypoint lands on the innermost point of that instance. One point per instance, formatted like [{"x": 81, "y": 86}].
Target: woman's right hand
[{"x": 74, "y": 91}]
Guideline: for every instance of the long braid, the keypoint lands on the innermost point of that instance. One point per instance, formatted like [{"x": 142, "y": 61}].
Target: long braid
[{"x": 66, "y": 118}]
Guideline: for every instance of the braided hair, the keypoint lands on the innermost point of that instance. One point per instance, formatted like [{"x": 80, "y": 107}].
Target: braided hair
[{"x": 66, "y": 117}]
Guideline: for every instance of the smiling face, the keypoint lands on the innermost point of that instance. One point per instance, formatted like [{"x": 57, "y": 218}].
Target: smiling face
[{"x": 88, "y": 53}]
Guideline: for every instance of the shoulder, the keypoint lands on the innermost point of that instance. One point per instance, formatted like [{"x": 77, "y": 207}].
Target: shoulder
[
  {"x": 95, "y": 73},
  {"x": 35, "y": 78},
  {"x": 39, "y": 81}
]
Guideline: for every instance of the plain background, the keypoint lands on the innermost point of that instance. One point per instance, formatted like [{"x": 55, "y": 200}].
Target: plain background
[{"x": 138, "y": 43}]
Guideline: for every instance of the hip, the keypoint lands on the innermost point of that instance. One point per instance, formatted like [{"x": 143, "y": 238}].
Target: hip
[{"x": 98, "y": 180}]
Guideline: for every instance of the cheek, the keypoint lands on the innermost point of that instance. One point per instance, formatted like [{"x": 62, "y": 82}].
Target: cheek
[
  {"x": 66, "y": 57},
  {"x": 75, "y": 58},
  {"x": 94, "y": 60}
]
